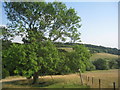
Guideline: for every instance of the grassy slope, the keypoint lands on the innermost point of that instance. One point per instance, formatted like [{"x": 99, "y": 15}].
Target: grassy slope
[
  {"x": 103, "y": 55},
  {"x": 96, "y": 55}
]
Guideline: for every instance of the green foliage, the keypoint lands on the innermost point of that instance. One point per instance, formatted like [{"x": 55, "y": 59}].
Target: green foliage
[
  {"x": 62, "y": 67},
  {"x": 4, "y": 33},
  {"x": 12, "y": 56},
  {"x": 6, "y": 44},
  {"x": 5, "y": 73},
  {"x": 30, "y": 58},
  {"x": 113, "y": 64},
  {"x": 53, "y": 20},
  {"x": 90, "y": 67},
  {"x": 101, "y": 49},
  {"x": 105, "y": 63},
  {"x": 101, "y": 64},
  {"x": 78, "y": 59},
  {"x": 44, "y": 58},
  {"x": 118, "y": 62},
  {"x": 48, "y": 57}
]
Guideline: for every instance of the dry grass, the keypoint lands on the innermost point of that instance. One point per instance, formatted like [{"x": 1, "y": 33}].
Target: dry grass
[
  {"x": 107, "y": 78},
  {"x": 56, "y": 81},
  {"x": 66, "y": 49},
  {"x": 67, "y": 81},
  {"x": 65, "y": 78},
  {"x": 103, "y": 55},
  {"x": 12, "y": 78}
]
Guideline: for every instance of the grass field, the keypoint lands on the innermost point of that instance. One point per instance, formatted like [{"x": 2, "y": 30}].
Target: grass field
[
  {"x": 56, "y": 81},
  {"x": 107, "y": 78},
  {"x": 67, "y": 81},
  {"x": 103, "y": 56}
]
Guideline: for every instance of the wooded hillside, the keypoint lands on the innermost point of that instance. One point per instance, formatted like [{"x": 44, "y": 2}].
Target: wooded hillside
[{"x": 92, "y": 48}]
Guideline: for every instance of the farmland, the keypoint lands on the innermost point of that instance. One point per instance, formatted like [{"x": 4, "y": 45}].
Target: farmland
[
  {"x": 96, "y": 56},
  {"x": 107, "y": 78},
  {"x": 66, "y": 81}
]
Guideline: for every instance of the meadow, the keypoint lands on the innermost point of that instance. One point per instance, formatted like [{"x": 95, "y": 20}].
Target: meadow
[
  {"x": 107, "y": 78},
  {"x": 66, "y": 81},
  {"x": 96, "y": 56}
]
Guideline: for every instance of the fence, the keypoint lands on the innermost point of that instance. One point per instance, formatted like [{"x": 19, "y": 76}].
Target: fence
[{"x": 95, "y": 82}]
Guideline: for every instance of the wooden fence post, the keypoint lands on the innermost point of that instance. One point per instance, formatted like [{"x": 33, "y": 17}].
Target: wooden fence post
[
  {"x": 99, "y": 84},
  {"x": 88, "y": 79},
  {"x": 114, "y": 85},
  {"x": 92, "y": 80},
  {"x": 80, "y": 76},
  {"x": 52, "y": 77}
]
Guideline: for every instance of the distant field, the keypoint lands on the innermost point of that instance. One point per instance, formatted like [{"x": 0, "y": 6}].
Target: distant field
[
  {"x": 67, "y": 81},
  {"x": 95, "y": 55},
  {"x": 66, "y": 49},
  {"x": 103, "y": 56}
]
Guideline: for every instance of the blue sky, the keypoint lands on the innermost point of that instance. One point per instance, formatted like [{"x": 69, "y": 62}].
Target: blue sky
[{"x": 99, "y": 22}]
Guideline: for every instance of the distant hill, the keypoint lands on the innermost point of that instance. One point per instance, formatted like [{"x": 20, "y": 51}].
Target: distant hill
[
  {"x": 68, "y": 47},
  {"x": 102, "y": 49},
  {"x": 96, "y": 56},
  {"x": 92, "y": 48}
]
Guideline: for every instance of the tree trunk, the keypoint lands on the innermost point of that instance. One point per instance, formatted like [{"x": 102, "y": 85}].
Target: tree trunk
[
  {"x": 52, "y": 78},
  {"x": 29, "y": 77},
  {"x": 35, "y": 78}
]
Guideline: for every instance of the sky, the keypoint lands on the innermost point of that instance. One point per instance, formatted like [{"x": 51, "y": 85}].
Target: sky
[{"x": 99, "y": 22}]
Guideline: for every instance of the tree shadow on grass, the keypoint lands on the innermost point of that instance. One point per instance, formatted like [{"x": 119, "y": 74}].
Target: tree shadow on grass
[{"x": 29, "y": 83}]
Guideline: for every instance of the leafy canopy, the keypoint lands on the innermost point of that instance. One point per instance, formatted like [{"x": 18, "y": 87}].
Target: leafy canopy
[
  {"x": 31, "y": 58},
  {"x": 53, "y": 20}
]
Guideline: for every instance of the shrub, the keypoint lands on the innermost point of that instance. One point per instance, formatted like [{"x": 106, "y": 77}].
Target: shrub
[
  {"x": 5, "y": 73},
  {"x": 101, "y": 64},
  {"x": 90, "y": 67},
  {"x": 114, "y": 64}
]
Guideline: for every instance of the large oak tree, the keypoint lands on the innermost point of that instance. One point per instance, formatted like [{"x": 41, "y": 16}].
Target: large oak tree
[{"x": 38, "y": 23}]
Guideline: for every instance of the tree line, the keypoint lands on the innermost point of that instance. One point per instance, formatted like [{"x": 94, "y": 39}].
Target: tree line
[
  {"x": 105, "y": 64},
  {"x": 92, "y": 48}
]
